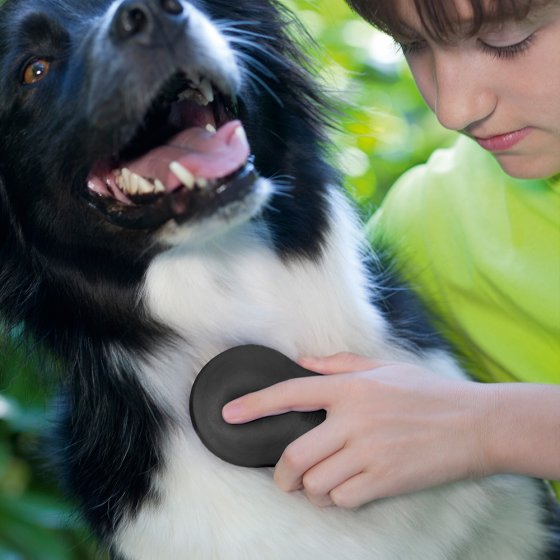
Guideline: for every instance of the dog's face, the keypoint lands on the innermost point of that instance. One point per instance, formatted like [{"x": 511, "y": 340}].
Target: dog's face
[{"x": 124, "y": 125}]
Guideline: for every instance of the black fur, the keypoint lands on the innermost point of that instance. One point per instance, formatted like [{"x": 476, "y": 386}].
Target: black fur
[
  {"x": 409, "y": 320},
  {"x": 71, "y": 277}
]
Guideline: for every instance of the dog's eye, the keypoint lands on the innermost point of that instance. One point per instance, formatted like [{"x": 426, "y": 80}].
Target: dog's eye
[{"x": 35, "y": 71}]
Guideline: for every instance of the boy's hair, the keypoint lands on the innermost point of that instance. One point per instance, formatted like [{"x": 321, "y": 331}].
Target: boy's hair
[{"x": 439, "y": 17}]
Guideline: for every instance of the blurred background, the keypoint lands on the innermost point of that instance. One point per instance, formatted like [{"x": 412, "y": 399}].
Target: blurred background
[{"x": 385, "y": 129}]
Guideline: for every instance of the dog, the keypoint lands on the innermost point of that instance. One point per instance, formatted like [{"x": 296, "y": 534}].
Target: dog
[{"x": 165, "y": 195}]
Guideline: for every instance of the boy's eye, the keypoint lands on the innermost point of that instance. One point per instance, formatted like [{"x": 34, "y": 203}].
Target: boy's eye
[
  {"x": 35, "y": 71},
  {"x": 508, "y": 51},
  {"x": 411, "y": 47}
]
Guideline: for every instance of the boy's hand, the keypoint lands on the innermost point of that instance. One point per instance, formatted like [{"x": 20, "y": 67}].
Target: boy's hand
[{"x": 391, "y": 428}]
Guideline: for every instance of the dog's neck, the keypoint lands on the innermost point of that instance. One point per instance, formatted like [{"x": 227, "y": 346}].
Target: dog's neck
[{"x": 239, "y": 290}]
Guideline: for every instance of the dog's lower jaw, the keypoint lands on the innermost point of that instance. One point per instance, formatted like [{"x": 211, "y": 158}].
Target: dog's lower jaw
[{"x": 209, "y": 228}]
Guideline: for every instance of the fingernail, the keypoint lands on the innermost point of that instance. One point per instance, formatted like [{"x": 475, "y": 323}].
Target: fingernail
[
  {"x": 232, "y": 412},
  {"x": 307, "y": 361}
]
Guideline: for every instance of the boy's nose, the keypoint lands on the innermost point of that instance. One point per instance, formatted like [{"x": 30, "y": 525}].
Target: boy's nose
[{"x": 463, "y": 94}]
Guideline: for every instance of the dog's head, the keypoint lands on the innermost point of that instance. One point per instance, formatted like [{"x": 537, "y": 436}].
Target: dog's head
[{"x": 131, "y": 124}]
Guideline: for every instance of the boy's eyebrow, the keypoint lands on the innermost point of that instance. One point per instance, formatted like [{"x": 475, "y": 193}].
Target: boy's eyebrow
[
  {"x": 406, "y": 32},
  {"x": 463, "y": 26}
]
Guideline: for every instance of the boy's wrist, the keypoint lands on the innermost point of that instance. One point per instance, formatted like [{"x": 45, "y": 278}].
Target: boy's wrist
[
  {"x": 479, "y": 402},
  {"x": 517, "y": 428},
  {"x": 488, "y": 422}
]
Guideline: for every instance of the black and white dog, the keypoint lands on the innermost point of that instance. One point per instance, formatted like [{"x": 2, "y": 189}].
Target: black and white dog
[{"x": 164, "y": 196}]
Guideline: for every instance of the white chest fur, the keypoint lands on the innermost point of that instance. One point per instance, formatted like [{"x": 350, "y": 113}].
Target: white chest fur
[{"x": 236, "y": 291}]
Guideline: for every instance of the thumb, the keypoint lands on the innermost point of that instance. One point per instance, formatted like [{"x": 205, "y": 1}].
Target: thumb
[{"x": 343, "y": 362}]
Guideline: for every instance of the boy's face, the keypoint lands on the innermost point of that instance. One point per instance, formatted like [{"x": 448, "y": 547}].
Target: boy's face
[{"x": 500, "y": 87}]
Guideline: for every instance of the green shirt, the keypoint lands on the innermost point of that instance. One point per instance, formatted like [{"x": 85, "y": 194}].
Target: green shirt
[{"x": 483, "y": 251}]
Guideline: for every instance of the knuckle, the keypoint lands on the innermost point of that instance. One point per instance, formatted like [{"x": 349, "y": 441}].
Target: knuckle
[
  {"x": 282, "y": 387},
  {"x": 321, "y": 502},
  {"x": 281, "y": 483},
  {"x": 343, "y": 356},
  {"x": 342, "y": 500},
  {"x": 313, "y": 485},
  {"x": 353, "y": 361},
  {"x": 293, "y": 457},
  {"x": 358, "y": 386},
  {"x": 281, "y": 393}
]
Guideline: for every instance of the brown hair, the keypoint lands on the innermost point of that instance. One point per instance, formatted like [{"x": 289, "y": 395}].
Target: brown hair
[{"x": 439, "y": 18}]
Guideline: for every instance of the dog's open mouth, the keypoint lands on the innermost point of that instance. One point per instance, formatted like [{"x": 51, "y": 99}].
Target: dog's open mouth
[{"x": 189, "y": 151}]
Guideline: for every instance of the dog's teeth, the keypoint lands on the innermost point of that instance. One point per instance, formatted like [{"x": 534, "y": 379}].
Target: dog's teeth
[
  {"x": 187, "y": 94},
  {"x": 122, "y": 178},
  {"x": 133, "y": 183},
  {"x": 145, "y": 186},
  {"x": 201, "y": 182},
  {"x": 205, "y": 88},
  {"x": 241, "y": 134},
  {"x": 210, "y": 128},
  {"x": 200, "y": 99},
  {"x": 183, "y": 174},
  {"x": 160, "y": 187}
]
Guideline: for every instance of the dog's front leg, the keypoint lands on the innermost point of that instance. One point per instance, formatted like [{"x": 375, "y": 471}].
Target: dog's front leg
[{"x": 110, "y": 439}]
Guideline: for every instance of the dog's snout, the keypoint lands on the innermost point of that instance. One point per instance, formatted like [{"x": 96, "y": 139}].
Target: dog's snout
[
  {"x": 138, "y": 19},
  {"x": 132, "y": 18}
]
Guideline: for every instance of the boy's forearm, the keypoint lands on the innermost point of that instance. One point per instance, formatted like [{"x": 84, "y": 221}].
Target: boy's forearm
[{"x": 521, "y": 429}]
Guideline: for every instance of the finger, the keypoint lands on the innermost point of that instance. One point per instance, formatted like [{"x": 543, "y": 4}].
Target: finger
[
  {"x": 356, "y": 491},
  {"x": 305, "y": 452},
  {"x": 320, "y": 480},
  {"x": 303, "y": 395},
  {"x": 343, "y": 362},
  {"x": 322, "y": 501}
]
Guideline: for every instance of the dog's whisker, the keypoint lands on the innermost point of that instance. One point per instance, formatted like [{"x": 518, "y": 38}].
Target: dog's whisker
[
  {"x": 255, "y": 63},
  {"x": 256, "y": 47},
  {"x": 245, "y": 32},
  {"x": 283, "y": 187},
  {"x": 224, "y": 23},
  {"x": 253, "y": 76},
  {"x": 270, "y": 204},
  {"x": 284, "y": 190},
  {"x": 283, "y": 179}
]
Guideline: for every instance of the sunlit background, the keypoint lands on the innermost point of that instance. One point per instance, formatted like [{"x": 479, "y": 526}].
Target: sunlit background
[
  {"x": 384, "y": 130},
  {"x": 387, "y": 127}
]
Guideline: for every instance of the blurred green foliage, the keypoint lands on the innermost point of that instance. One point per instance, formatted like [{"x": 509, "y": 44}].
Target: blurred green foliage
[
  {"x": 35, "y": 522},
  {"x": 384, "y": 129}
]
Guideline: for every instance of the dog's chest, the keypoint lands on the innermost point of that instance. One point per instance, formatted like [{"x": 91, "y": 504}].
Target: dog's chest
[
  {"x": 234, "y": 292},
  {"x": 239, "y": 291}
]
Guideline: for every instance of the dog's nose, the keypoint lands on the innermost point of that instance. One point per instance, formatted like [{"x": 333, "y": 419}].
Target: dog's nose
[
  {"x": 173, "y": 7},
  {"x": 138, "y": 19}
]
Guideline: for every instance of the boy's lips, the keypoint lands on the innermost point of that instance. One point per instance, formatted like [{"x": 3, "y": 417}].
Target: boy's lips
[{"x": 502, "y": 142}]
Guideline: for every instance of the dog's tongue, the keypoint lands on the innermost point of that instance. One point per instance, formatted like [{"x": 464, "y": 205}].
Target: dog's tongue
[{"x": 206, "y": 154}]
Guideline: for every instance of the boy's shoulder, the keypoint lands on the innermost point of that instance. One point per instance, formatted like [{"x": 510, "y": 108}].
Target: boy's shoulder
[
  {"x": 450, "y": 175},
  {"x": 459, "y": 189}
]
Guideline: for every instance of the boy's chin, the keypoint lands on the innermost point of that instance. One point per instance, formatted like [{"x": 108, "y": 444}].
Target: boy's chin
[{"x": 529, "y": 166}]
